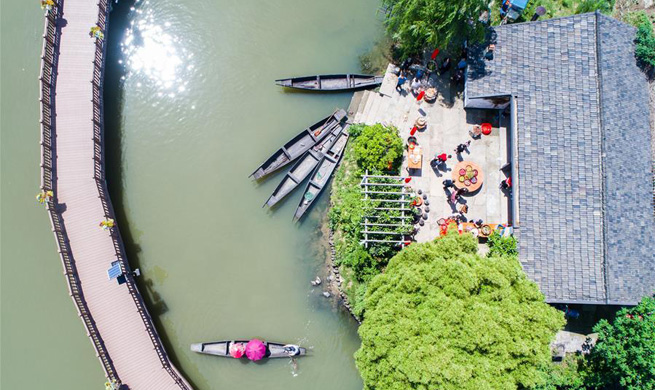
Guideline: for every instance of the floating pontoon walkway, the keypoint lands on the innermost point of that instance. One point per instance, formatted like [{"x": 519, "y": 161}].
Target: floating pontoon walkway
[{"x": 113, "y": 314}]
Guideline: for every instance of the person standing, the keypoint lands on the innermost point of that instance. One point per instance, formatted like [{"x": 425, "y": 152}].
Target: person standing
[
  {"x": 440, "y": 159},
  {"x": 462, "y": 147},
  {"x": 506, "y": 184},
  {"x": 448, "y": 184},
  {"x": 416, "y": 86},
  {"x": 401, "y": 80},
  {"x": 454, "y": 197}
]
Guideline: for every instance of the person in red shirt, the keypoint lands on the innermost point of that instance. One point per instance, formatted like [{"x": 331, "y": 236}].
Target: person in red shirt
[
  {"x": 506, "y": 184},
  {"x": 440, "y": 159}
]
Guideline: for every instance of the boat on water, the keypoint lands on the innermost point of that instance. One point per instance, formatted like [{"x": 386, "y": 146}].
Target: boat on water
[
  {"x": 252, "y": 349},
  {"x": 300, "y": 144},
  {"x": 321, "y": 175},
  {"x": 331, "y": 82},
  {"x": 305, "y": 165}
]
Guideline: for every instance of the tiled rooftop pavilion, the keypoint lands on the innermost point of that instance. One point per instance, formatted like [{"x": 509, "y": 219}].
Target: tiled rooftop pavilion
[
  {"x": 579, "y": 112},
  {"x": 584, "y": 169},
  {"x": 448, "y": 125}
]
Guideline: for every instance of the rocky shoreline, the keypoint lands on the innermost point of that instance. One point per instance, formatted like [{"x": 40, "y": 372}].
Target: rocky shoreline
[{"x": 334, "y": 280}]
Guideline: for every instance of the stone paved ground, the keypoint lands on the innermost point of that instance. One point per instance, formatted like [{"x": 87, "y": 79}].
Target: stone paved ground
[{"x": 448, "y": 126}]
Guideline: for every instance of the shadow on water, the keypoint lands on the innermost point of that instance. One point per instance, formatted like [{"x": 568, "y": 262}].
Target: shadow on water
[{"x": 113, "y": 113}]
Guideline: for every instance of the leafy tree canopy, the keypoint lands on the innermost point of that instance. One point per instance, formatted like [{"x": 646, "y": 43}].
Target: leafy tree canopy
[
  {"x": 624, "y": 355},
  {"x": 378, "y": 148},
  {"x": 444, "y": 317},
  {"x": 417, "y": 24}
]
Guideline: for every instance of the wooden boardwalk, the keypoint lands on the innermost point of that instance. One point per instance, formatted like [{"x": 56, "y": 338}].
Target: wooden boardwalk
[{"x": 115, "y": 317}]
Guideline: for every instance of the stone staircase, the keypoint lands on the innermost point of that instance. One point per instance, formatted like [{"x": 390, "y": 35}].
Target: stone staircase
[{"x": 371, "y": 107}]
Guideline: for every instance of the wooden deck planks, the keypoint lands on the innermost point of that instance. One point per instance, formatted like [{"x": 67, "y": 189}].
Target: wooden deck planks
[{"x": 112, "y": 307}]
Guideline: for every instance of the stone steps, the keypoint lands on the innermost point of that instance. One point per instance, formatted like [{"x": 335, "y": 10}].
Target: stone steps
[
  {"x": 372, "y": 117},
  {"x": 354, "y": 104},
  {"x": 367, "y": 108},
  {"x": 361, "y": 106}
]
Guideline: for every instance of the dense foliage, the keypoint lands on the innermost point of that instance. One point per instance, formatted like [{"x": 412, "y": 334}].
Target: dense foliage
[
  {"x": 501, "y": 246},
  {"x": 378, "y": 148},
  {"x": 604, "y": 6},
  {"x": 645, "y": 40},
  {"x": 624, "y": 355},
  {"x": 444, "y": 317},
  {"x": 563, "y": 376},
  {"x": 371, "y": 147},
  {"x": 417, "y": 24}
]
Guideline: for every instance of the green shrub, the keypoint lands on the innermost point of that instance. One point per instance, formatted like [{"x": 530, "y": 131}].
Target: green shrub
[
  {"x": 361, "y": 262},
  {"x": 443, "y": 317},
  {"x": 563, "y": 376},
  {"x": 624, "y": 355},
  {"x": 355, "y": 130},
  {"x": 645, "y": 41},
  {"x": 604, "y": 6},
  {"x": 378, "y": 147},
  {"x": 501, "y": 246}
]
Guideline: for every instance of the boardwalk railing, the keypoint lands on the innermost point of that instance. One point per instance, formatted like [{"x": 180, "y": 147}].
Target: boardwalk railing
[
  {"x": 49, "y": 180},
  {"x": 47, "y": 81},
  {"x": 101, "y": 183}
]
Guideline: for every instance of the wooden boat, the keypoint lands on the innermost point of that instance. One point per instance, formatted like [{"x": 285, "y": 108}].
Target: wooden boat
[
  {"x": 321, "y": 175},
  {"x": 300, "y": 144},
  {"x": 222, "y": 348},
  {"x": 305, "y": 165},
  {"x": 332, "y": 82}
]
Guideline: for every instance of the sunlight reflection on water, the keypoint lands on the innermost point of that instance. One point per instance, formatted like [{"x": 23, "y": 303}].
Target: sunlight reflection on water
[{"x": 155, "y": 55}]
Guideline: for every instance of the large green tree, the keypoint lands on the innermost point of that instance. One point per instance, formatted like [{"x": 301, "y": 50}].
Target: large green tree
[
  {"x": 418, "y": 24},
  {"x": 443, "y": 317},
  {"x": 624, "y": 355}
]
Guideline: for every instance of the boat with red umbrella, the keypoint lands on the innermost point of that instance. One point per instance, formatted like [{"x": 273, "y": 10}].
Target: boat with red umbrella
[{"x": 254, "y": 349}]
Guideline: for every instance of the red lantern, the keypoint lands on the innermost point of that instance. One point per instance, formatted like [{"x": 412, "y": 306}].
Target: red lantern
[
  {"x": 435, "y": 53},
  {"x": 413, "y": 130},
  {"x": 420, "y": 96},
  {"x": 408, "y": 179}
]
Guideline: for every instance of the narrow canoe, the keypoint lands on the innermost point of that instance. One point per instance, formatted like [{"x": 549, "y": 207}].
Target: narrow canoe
[
  {"x": 299, "y": 144},
  {"x": 321, "y": 175},
  {"x": 305, "y": 165},
  {"x": 222, "y": 348},
  {"x": 332, "y": 82}
]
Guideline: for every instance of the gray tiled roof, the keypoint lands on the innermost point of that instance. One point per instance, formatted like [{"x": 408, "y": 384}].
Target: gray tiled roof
[{"x": 587, "y": 232}]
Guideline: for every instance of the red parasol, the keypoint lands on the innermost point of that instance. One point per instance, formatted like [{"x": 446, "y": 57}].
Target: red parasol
[
  {"x": 420, "y": 96},
  {"x": 255, "y": 349},
  {"x": 435, "y": 53},
  {"x": 237, "y": 350}
]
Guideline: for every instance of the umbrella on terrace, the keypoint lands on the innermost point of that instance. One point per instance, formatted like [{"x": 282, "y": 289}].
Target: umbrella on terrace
[{"x": 255, "y": 349}]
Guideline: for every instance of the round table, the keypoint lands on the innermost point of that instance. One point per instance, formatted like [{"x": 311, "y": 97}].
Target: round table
[{"x": 471, "y": 169}]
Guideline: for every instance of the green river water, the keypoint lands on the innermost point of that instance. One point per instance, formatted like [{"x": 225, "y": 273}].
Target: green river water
[{"x": 191, "y": 110}]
